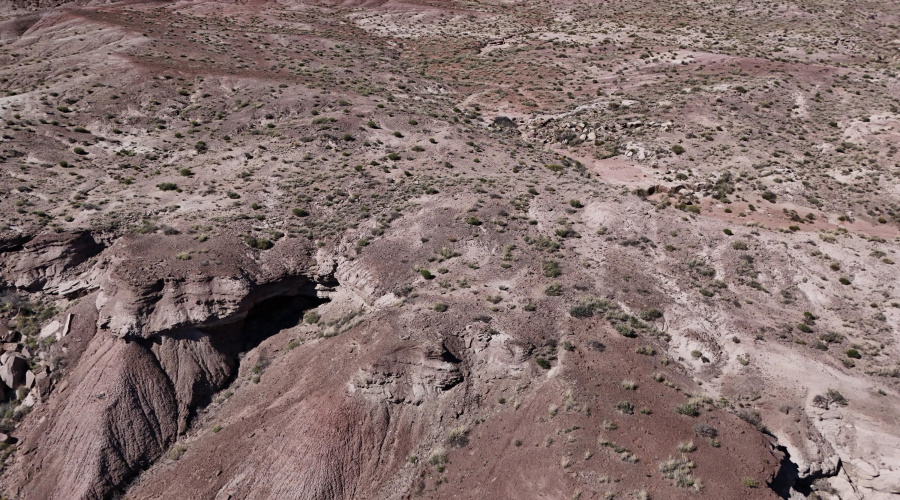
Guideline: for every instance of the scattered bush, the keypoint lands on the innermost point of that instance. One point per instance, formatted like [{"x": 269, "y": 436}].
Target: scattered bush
[
  {"x": 679, "y": 470},
  {"x": 831, "y": 397},
  {"x": 550, "y": 268},
  {"x": 706, "y": 430},
  {"x": 458, "y": 437},
  {"x": 625, "y": 407},
  {"x": 686, "y": 447}
]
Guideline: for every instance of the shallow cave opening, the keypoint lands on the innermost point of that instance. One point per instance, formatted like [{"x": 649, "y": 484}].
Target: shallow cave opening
[
  {"x": 273, "y": 315},
  {"x": 788, "y": 477}
]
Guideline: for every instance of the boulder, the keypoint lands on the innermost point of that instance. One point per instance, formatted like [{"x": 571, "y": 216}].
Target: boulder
[
  {"x": 12, "y": 370},
  {"x": 50, "y": 329}
]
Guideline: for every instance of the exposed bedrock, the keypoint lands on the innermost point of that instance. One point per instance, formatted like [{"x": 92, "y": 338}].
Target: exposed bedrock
[{"x": 166, "y": 339}]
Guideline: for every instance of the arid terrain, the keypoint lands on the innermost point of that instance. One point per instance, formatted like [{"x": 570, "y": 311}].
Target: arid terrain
[{"x": 446, "y": 249}]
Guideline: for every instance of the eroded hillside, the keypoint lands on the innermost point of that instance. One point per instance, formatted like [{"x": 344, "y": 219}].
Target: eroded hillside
[{"x": 385, "y": 250}]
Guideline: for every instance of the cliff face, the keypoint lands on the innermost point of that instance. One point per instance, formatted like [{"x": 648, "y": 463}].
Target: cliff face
[{"x": 163, "y": 341}]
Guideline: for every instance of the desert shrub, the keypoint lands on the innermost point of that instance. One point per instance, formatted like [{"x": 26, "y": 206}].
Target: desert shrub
[
  {"x": 686, "y": 447},
  {"x": 831, "y": 397},
  {"x": 753, "y": 418},
  {"x": 550, "y": 268},
  {"x": 691, "y": 407},
  {"x": 706, "y": 430},
  {"x": 312, "y": 317},
  {"x": 651, "y": 314},
  {"x": 680, "y": 471},
  {"x": 438, "y": 456},
  {"x": 831, "y": 337},
  {"x": 176, "y": 452},
  {"x": 588, "y": 306},
  {"x": 258, "y": 243},
  {"x": 167, "y": 186},
  {"x": 458, "y": 437},
  {"x": 440, "y": 307},
  {"x": 625, "y": 407},
  {"x": 542, "y": 242},
  {"x": 853, "y": 353}
]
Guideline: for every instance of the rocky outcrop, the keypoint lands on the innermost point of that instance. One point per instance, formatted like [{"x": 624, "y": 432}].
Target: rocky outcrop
[
  {"x": 46, "y": 261},
  {"x": 165, "y": 341},
  {"x": 411, "y": 375},
  {"x": 145, "y": 292}
]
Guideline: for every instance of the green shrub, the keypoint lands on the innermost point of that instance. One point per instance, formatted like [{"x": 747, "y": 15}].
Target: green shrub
[
  {"x": 625, "y": 407},
  {"x": 853, "y": 353},
  {"x": 167, "y": 186},
  {"x": 258, "y": 243},
  {"x": 550, "y": 268},
  {"x": 651, "y": 314},
  {"x": 690, "y": 407},
  {"x": 176, "y": 452}
]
